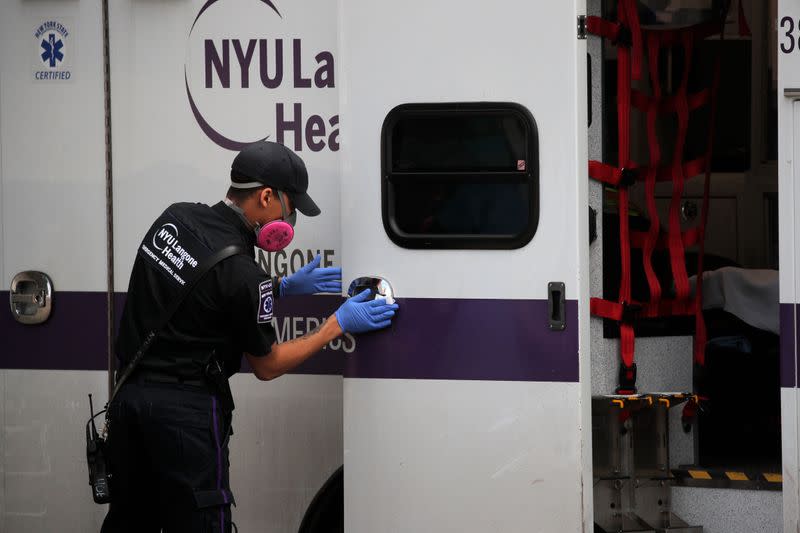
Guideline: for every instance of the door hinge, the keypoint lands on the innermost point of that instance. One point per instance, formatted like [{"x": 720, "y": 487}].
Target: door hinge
[{"x": 581, "y": 26}]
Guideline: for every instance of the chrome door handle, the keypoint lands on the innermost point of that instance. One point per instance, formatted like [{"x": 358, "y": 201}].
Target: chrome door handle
[
  {"x": 31, "y": 297},
  {"x": 379, "y": 287}
]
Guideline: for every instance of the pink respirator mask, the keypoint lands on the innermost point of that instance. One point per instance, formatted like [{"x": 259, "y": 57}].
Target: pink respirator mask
[{"x": 276, "y": 235}]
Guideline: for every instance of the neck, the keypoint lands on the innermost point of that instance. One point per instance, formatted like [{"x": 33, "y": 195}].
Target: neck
[{"x": 239, "y": 211}]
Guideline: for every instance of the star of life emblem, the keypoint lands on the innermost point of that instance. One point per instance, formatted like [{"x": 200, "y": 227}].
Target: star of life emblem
[{"x": 265, "y": 301}]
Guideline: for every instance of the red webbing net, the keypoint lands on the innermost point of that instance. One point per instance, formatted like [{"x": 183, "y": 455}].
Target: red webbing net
[{"x": 632, "y": 42}]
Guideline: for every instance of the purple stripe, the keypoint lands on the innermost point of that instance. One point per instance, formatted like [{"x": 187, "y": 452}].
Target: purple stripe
[
  {"x": 430, "y": 339},
  {"x": 788, "y": 345},
  {"x": 300, "y": 308},
  {"x": 74, "y": 338},
  {"x": 503, "y": 340},
  {"x": 219, "y": 463}
]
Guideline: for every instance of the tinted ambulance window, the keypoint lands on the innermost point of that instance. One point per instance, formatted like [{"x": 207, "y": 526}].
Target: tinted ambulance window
[{"x": 460, "y": 176}]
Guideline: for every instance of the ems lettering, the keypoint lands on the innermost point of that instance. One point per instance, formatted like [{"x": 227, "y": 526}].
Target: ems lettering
[
  {"x": 287, "y": 328},
  {"x": 273, "y": 63}
]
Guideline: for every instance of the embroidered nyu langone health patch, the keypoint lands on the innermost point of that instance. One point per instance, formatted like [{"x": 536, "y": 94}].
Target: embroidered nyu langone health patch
[{"x": 265, "y": 301}]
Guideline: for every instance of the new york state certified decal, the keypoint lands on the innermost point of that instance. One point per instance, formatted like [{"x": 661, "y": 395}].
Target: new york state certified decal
[{"x": 53, "y": 43}]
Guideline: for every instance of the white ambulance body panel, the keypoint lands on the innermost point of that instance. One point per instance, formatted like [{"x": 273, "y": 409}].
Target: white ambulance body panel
[
  {"x": 52, "y": 216},
  {"x": 183, "y": 99},
  {"x": 444, "y": 427}
]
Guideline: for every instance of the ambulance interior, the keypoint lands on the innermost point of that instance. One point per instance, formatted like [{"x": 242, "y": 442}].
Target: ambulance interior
[{"x": 674, "y": 462}]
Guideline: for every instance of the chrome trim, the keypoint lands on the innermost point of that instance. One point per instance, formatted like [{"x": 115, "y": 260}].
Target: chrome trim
[
  {"x": 379, "y": 286},
  {"x": 31, "y": 297}
]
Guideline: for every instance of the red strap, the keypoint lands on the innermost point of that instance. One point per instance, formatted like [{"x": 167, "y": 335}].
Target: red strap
[
  {"x": 629, "y": 66},
  {"x": 689, "y": 238},
  {"x": 606, "y": 309},
  {"x": 631, "y": 17},
  {"x": 744, "y": 28},
  {"x": 689, "y": 412},
  {"x": 667, "y": 307},
  {"x": 627, "y": 344},
  {"x": 644, "y": 102},
  {"x": 628, "y": 19},
  {"x": 651, "y": 237},
  {"x": 699, "y": 32},
  {"x": 603, "y": 28},
  {"x": 692, "y": 168},
  {"x": 604, "y": 173},
  {"x": 616, "y": 311},
  {"x": 612, "y": 175},
  {"x": 676, "y": 249}
]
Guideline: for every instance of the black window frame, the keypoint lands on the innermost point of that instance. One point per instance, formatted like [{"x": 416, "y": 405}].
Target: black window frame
[{"x": 529, "y": 176}]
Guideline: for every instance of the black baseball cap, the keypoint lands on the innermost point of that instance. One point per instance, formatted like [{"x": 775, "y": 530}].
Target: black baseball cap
[{"x": 272, "y": 164}]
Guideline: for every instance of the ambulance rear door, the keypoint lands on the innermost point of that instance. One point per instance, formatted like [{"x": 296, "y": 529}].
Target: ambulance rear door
[
  {"x": 464, "y": 187},
  {"x": 788, "y": 51}
]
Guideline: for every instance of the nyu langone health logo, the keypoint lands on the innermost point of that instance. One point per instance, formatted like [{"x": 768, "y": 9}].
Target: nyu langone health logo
[
  {"x": 268, "y": 80},
  {"x": 165, "y": 240},
  {"x": 51, "y": 38}
]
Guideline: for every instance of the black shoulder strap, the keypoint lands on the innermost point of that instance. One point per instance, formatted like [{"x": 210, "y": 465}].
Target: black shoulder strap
[{"x": 168, "y": 313}]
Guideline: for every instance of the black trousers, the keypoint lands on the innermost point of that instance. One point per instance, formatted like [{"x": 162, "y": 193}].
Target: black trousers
[{"x": 168, "y": 456}]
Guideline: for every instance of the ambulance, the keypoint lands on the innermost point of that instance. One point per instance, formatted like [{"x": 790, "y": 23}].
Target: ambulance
[{"x": 585, "y": 210}]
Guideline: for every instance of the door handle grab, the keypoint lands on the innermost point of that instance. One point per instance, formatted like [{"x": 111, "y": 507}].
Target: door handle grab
[
  {"x": 31, "y": 297},
  {"x": 379, "y": 287},
  {"x": 556, "y": 306}
]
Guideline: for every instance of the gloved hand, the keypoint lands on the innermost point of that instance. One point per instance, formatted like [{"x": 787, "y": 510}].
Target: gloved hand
[
  {"x": 311, "y": 279},
  {"x": 361, "y": 313}
]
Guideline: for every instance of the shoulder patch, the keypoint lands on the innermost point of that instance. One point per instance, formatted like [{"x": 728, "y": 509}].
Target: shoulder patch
[{"x": 265, "y": 301}]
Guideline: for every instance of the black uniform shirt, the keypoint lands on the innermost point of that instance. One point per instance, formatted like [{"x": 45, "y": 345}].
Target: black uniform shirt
[{"x": 229, "y": 311}]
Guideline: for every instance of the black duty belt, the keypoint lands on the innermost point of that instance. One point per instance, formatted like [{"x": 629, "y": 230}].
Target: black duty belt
[{"x": 147, "y": 376}]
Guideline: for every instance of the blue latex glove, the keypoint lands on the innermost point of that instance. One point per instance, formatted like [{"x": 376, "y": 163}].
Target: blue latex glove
[
  {"x": 311, "y": 279},
  {"x": 361, "y": 313}
]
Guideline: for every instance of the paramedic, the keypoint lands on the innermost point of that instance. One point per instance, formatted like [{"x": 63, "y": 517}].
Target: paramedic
[{"x": 169, "y": 425}]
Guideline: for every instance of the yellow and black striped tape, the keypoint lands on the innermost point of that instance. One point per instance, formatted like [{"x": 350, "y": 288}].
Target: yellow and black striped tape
[{"x": 727, "y": 475}]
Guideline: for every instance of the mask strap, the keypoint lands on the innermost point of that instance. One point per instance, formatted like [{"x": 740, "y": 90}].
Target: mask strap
[
  {"x": 283, "y": 204},
  {"x": 291, "y": 218},
  {"x": 238, "y": 210}
]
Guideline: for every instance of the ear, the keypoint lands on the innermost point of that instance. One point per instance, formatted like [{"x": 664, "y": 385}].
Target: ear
[{"x": 265, "y": 196}]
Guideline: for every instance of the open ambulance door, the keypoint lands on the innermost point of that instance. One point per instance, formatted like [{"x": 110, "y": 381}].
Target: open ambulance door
[
  {"x": 788, "y": 42},
  {"x": 464, "y": 187}
]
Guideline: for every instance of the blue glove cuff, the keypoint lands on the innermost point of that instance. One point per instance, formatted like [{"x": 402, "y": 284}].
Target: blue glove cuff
[
  {"x": 339, "y": 320},
  {"x": 282, "y": 286}
]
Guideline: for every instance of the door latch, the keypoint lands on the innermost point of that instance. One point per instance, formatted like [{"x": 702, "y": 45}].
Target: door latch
[
  {"x": 556, "y": 305},
  {"x": 31, "y": 297},
  {"x": 582, "y": 27}
]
